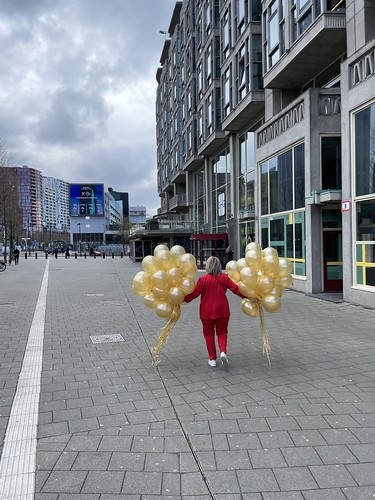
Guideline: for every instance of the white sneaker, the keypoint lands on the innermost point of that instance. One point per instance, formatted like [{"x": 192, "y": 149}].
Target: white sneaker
[
  {"x": 212, "y": 362},
  {"x": 224, "y": 360}
]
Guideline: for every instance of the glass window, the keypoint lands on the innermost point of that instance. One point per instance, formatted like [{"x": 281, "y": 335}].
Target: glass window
[
  {"x": 264, "y": 187},
  {"x": 331, "y": 162},
  {"x": 365, "y": 215},
  {"x": 281, "y": 194},
  {"x": 365, "y": 151}
]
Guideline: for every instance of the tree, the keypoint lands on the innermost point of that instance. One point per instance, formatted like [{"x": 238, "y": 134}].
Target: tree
[{"x": 10, "y": 213}]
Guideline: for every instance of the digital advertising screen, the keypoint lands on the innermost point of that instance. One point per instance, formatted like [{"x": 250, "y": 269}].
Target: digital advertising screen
[{"x": 86, "y": 199}]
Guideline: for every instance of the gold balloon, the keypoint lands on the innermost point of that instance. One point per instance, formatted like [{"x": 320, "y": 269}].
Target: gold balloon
[
  {"x": 285, "y": 267},
  {"x": 176, "y": 295},
  {"x": 277, "y": 290},
  {"x": 284, "y": 281},
  {"x": 176, "y": 251},
  {"x": 162, "y": 246},
  {"x": 241, "y": 263},
  {"x": 231, "y": 269},
  {"x": 150, "y": 264},
  {"x": 149, "y": 300},
  {"x": 253, "y": 258},
  {"x": 270, "y": 251},
  {"x": 174, "y": 276},
  {"x": 140, "y": 293},
  {"x": 270, "y": 263},
  {"x": 191, "y": 272},
  {"x": 142, "y": 281},
  {"x": 164, "y": 309},
  {"x": 163, "y": 259},
  {"x": 160, "y": 294},
  {"x": 187, "y": 262},
  {"x": 246, "y": 290},
  {"x": 160, "y": 279},
  {"x": 253, "y": 246},
  {"x": 249, "y": 277},
  {"x": 250, "y": 308},
  {"x": 187, "y": 285},
  {"x": 265, "y": 284},
  {"x": 271, "y": 303}
]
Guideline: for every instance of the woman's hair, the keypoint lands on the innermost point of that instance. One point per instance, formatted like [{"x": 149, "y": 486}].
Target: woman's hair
[{"x": 213, "y": 266}]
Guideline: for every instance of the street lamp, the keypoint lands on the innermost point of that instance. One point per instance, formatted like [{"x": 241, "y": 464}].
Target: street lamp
[{"x": 79, "y": 241}]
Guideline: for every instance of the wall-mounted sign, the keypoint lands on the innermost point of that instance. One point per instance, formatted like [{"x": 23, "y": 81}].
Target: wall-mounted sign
[{"x": 345, "y": 206}]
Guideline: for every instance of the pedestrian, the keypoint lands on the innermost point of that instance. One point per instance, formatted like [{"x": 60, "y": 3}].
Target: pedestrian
[
  {"x": 16, "y": 255},
  {"x": 228, "y": 254},
  {"x": 67, "y": 253},
  {"x": 214, "y": 308}
]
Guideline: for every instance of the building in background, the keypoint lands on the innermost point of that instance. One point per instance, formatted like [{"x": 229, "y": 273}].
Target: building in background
[
  {"x": 30, "y": 196},
  {"x": 265, "y": 130},
  {"x": 56, "y": 204},
  {"x": 124, "y": 198},
  {"x": 137, "y": 214}
]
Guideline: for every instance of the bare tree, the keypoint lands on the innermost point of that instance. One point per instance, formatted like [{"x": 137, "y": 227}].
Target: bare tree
[{"x": 10, "y": 213}]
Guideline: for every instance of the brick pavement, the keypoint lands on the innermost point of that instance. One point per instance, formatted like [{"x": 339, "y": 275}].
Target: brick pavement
[{"x": 111, "y": 426}]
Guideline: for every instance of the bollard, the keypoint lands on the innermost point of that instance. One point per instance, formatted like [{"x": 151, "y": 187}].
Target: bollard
[
  {"x": 46, "y": 255},
  {"x": 85, "y": 255},
  {"x": 25, "y": 255},
  {"x": 113, "y": 255},
  {"x": 94, "y": 256},
  {"x": 122, "y": 255},
  {"x": 75, "y": 255},
  {"x": 36, "y": 255},
  {"x": 103, "y": 255}
]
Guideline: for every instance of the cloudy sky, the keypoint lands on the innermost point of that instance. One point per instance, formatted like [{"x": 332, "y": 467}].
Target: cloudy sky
[{"x": 77, "y": 90}]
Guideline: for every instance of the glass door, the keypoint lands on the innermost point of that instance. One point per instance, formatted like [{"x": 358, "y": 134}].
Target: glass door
[{"x": 332, "y": 260}]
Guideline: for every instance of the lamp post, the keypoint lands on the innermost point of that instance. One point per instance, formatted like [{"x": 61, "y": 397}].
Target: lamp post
[{"x": 79, "y": 241}]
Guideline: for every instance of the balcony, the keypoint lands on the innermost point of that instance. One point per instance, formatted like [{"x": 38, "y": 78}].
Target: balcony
[
  {"x": 245, "y": 112},
  {"x": 178, "y": 204},
  {"x": 319, "y": 46},
  {"x": 324, "y": 197},
  {"x": 216, "y": 140}
]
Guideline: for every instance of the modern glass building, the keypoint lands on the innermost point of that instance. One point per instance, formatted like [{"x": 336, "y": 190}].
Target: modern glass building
[{"x": 265, "y": 126}]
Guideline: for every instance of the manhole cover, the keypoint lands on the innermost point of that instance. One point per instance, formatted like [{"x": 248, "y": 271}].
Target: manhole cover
[{"x": 102, "y": 339}]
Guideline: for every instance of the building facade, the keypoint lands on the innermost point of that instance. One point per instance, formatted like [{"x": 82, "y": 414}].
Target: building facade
[
  {"x": 56, "y": 204},
  {"x": 30, "y": 196},
  {"x": 266, "y": 130}
]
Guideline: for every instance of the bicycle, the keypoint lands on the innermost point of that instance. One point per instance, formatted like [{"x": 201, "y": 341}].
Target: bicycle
[{"x": 3, "y": 266}]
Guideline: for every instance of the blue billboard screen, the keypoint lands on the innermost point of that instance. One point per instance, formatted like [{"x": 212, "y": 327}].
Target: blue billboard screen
[{"x": 86, "y": 199}]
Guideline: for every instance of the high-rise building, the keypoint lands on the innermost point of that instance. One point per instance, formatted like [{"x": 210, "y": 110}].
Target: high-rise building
[
  {"x": 30, "y": 189},
  {"x": 56, "y": 204},
  {"x": 265, "y": 130}
]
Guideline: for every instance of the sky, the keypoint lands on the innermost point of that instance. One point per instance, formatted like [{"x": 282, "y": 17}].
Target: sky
[{"x": 78, "y": 89}]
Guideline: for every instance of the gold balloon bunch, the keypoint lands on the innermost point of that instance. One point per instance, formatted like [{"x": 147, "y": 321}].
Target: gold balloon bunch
[
  {"x": 166, "y": 278},
  {"x": 262, "y": 277}
]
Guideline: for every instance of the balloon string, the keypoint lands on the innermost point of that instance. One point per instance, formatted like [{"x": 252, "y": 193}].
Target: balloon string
[
  {"x": 265, "y": 336},
  {"x": 164, "y": 334}
]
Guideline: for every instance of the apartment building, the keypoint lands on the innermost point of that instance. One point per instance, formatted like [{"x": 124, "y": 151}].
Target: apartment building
[
  {"x": 55, "y": 201},
  {"x": 265, "y": 130}
]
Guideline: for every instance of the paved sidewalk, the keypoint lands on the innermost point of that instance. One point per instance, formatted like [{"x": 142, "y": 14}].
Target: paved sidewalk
[{"x": 113, "y": 427}]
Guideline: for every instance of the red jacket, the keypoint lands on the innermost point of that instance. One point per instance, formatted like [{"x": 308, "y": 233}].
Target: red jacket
[{"x": 214, "y": 302}]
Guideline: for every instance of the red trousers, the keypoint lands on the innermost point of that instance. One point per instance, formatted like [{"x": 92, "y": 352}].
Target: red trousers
[{"x": 221, "y": 327}]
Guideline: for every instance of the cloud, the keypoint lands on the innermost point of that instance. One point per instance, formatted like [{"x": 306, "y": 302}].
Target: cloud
[{"x": 78, "y": 86}]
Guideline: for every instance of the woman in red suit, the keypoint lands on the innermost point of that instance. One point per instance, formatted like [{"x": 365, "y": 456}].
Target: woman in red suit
[{"x": 214, "y": 308}]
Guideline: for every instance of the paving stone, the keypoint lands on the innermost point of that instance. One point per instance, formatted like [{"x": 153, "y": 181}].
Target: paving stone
[
  {"x": 103, "y": 482},
  {"x": 65, "y": 482},
  {"x": 258, "y": 480}
]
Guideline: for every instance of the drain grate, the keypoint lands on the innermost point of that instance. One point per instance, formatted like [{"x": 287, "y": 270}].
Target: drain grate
[
  {"x": 95, "y": 294},
  {"x": 102, "y": 339}
]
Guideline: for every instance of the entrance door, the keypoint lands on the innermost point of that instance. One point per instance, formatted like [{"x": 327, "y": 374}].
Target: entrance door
[{"x": 332, "y": 260}]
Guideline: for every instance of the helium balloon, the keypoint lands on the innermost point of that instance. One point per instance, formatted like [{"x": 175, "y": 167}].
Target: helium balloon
[
  {"x": 270, "y": 251},
  {"x": 241, "y": 263},
  {"x": 187, "y": 285},
  {"x": 271, "y": 303},
  {"x": 231, "y": 269},
  {"x": 163, "y": 309},
  {"x": 150, "y": 264},
  {"x": 160, "y": 294},
  {"x": 142, "y": 281},
  {"x": 160, "y": 247},
  {"x": 277, "y": 290},
  {"x": 253, "y": 246},
  {"x": 175, "y": 295},
  {"x": 246, "y": 290},
  {"x": 253, "y": 258},
  {"x": 176, "y": 251},
  {"x": 285, "y": 267},
  {"x": 191, "y": 271},
  {"x": 174, "y": 275},
  {"x": 269, "y": 263},
  {"x": 265, "y": 284},
  {"x": 160, "y": 279},
  {"x": 150, "y": 301},
  {"x": 187, "y": 262},
  {"x": 140, "y": 293},
  {"x": 163, "y": 258},
  {"x": 249, "y": 277},
  {"x": 250, "y": 308},
  {"x": 284, "y": 281}
]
